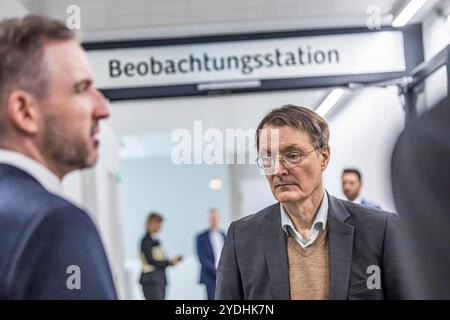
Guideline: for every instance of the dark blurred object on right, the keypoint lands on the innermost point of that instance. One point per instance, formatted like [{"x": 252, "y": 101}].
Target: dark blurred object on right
[{"x": 421, "y": 186}]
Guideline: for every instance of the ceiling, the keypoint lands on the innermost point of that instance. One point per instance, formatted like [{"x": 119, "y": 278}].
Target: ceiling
[{"x": 102, "y": 19}]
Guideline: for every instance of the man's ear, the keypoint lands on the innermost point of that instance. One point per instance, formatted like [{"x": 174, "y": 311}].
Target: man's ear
[
  {"x": 23, "y": 112},
  {"x": 325, "y": 155}
]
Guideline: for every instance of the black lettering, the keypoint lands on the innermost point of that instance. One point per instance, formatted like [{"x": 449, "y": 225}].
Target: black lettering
[
  {"x": 290, "y": 59},
  {"x": 309, "y": 54},
  {"x": 206, "y": 61},
  {"x": 180, "y": 65},
  {"x": 192, "y": 61},
  {"x": 114, "y": 69},
  {"x": 170, "y": 67},
  {"x": 246, "y": 68},
  {"x": 300, "y": 56},
  {"x": 222, "y": 64},
  {"x": 319, "y": 57},
  {"x": 278, "y": 56},
  {"x": 155, "y": 66},
  {"x": 128, "y": 69},
  {"x": 258, "y": 60},
  {"x": 334, "y": 53},
  {"x": 268, "y": 58},
  {"x": 142, "y": 68},
  {"x": 235, "y": 60}
]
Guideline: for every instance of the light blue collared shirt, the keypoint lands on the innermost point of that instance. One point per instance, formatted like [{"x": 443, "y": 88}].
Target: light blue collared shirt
[{"x": 319, "y": 224}]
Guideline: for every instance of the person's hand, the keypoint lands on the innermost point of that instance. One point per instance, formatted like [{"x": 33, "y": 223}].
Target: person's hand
[{"x": 175, "y": 260}]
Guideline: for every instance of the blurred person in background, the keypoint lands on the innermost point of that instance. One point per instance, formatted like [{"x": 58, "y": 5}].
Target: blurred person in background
[
  {"x": 154, "y": 261},
  {"x": 209, "y": 245},
  {"x": 351, "y": 186}
]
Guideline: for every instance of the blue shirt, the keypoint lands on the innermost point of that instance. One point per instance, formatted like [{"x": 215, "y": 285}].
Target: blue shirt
[{"x": 319, "y": 223}]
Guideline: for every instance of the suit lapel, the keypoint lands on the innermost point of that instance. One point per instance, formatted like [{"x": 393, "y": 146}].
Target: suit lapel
[
  {"x": 274, "y": 244},
  {"x": 340, "y": 248}
]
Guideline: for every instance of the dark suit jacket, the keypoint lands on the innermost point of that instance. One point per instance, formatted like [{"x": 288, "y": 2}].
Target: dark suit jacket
[
  {"x": 421, "y": 185},
  {"x": 207, "y": 260},
  {"x": 41, "y": 235},
  {"x": 254, "y": 262},
  {"x": 150, "y": 248}
]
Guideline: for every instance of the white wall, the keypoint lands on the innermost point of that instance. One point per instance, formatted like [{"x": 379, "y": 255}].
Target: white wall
[
  {"x": 251, "y": 191},
  {"x": 11, "y": 9},
  {"x": 108, "y": 206},
  {"x": 363, "y": 130}
]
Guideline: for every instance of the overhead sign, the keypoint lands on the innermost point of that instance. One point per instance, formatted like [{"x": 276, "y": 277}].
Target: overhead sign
[{"x": 245, "y": 62}]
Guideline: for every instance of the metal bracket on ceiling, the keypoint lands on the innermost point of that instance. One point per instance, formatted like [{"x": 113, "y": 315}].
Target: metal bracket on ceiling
[{"x": 403, "y": 84}]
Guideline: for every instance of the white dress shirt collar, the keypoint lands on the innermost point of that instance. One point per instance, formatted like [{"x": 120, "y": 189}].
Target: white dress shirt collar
[
  {"x": 216, "y": 239},
  {"x": 42, "y": 174},
  {"x": 319, "y": 223},
  {"x": 358, "y": 199}
]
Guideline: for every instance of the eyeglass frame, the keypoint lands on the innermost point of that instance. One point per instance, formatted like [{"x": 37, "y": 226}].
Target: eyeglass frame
[{"x": 291, "y": 166}]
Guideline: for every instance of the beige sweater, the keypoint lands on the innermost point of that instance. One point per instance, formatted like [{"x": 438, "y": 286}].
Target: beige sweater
[{"x": 308, "y": 269}]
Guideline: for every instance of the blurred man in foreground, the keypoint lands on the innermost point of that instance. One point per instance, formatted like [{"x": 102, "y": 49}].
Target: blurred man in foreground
[{"x": 49, "y": 120}]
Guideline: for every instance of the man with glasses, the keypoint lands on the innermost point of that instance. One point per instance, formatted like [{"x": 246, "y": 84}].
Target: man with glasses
[{"x": 309, "y": 245}]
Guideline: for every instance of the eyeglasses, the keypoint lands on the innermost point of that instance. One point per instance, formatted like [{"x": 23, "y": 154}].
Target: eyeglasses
[{"x": 290, "y": 159}]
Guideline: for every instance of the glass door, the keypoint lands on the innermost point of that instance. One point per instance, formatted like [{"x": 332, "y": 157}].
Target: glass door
[{"x": 429, "y": 85}]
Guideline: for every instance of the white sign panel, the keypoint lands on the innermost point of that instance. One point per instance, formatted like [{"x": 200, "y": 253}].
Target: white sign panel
[{"x": 296, "y": 57}]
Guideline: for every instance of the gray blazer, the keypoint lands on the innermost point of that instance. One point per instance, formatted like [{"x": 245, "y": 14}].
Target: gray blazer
[{"x": 254, "y": 263}]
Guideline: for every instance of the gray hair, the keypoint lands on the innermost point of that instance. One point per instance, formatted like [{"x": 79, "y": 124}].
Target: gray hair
[{"x": 300, "y": 118}]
